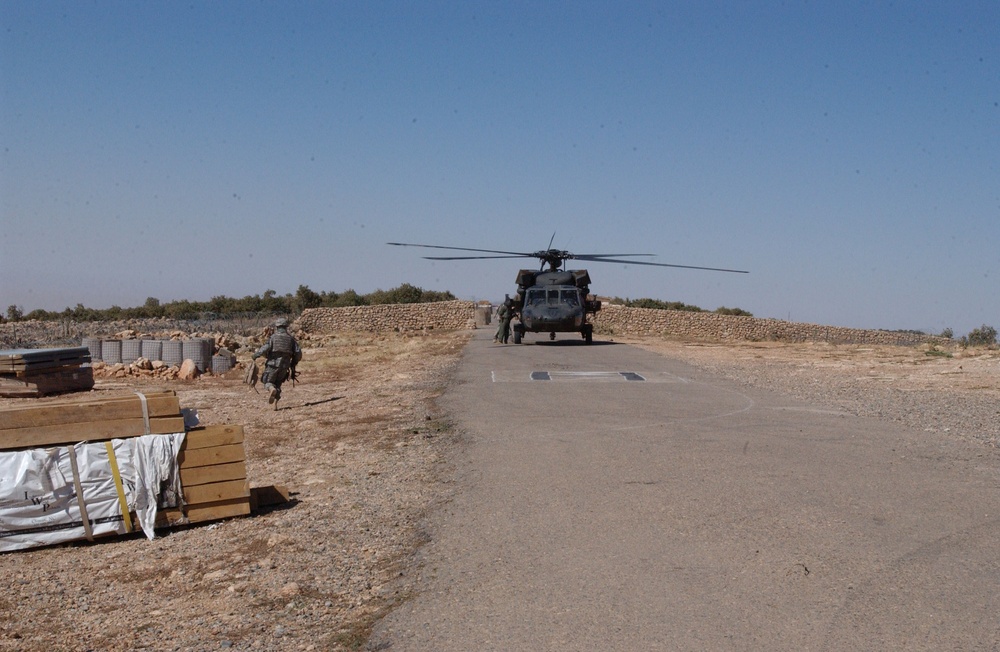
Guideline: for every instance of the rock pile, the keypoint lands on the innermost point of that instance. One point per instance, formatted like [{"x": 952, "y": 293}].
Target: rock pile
[{"x": 156, "y": 369}]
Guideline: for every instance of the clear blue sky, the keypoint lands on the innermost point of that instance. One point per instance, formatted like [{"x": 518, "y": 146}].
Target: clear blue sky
[{"x": 846, "y": 153}]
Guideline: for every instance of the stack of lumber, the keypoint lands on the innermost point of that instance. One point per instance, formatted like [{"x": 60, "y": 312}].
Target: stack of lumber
[
  {"x": 213, "y": 477},
  {"x": 37, "y": 372},
  {"x": 211, "y": 462}
]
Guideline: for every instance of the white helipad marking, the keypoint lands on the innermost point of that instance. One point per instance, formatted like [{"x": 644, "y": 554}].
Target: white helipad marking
[{"x": 540, "y": 376}]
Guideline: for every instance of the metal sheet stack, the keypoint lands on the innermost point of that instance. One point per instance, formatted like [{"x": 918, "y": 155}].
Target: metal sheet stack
[
  {"x": 36, "y": 372},
  {"x": 210, "y": 463}
]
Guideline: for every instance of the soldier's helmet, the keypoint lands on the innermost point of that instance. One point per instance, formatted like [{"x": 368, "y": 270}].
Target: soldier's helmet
[{"x": 281, "y": 323}]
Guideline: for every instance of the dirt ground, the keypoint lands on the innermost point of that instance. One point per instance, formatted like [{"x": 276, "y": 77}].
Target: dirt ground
[
  {"x": 357, "y": 441},
  {"x": 364, "y": 450}
]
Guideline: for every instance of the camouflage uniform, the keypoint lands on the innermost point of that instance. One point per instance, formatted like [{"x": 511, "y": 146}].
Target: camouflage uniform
[
  {"x": 504, "y": 313},
  {"x": 283, "y": 353}
]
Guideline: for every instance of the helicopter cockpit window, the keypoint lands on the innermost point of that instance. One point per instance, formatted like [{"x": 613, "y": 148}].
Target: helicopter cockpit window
[
  {"x": 554, "y": 297},
  {"x": 536, "y": 297},
  {"x": 570, "y": 297}
]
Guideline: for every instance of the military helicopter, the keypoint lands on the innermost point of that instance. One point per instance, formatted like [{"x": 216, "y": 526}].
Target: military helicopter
[{"x": 555, "y": 300}]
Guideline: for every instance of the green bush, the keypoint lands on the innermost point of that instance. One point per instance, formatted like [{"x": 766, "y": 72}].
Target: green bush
[
  {"x": 655, "y": 304},
  {"x": 221, "y": 306},
  {"x": 738, "y": 312},
  {"x": 982, "y": 336}
]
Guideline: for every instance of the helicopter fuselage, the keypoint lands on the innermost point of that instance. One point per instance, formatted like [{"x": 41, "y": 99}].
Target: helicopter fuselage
[{"x": 554, "y": 302}]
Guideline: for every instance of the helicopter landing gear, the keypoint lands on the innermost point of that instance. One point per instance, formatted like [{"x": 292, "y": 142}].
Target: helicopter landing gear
[
  {"x": 588, "y": 334},
  {"x": 518, "y": 332},
  {"x": 552, "y": 336}
]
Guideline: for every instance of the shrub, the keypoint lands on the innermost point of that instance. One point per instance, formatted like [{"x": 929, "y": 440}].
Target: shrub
[
  {"x": 982, "y": 336},
  {"x": 739, "y": 312}
]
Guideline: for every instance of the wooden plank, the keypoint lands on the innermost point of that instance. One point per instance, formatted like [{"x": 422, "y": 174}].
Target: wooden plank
[
  {"x": 213, "y": 512},
  {"x": 216, "y": 473},
  {"x": 216, "y": 491},
  {"x": 109, "y": 398},
  {"x": 96, "y": 431},
  {"x": 213, "y": 436},
  {"x": 202, "y": 513},
  {"x": 67, "y": 414},
  {"x": 210, "y": 456}
]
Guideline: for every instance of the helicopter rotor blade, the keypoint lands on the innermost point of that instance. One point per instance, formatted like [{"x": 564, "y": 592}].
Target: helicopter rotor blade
[
  {"x": 642, "y": 262},
  {"x": 474, "y": 257},
  {"x": 551, "y": 255},
  {"x": 599, "y": 257},
  {"x": 513, "y": 254}
]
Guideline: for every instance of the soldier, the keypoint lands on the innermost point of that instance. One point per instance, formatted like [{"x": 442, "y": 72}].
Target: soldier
[
  {"x": 504, "y": 313},
  {"x": 283, "y": 353}
]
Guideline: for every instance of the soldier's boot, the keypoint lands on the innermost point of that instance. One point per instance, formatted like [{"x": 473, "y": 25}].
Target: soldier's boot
[{"x": 272, "y": 393}]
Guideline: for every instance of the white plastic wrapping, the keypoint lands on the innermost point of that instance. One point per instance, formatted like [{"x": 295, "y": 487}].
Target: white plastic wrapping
[
  {"x": 40, "y": 503},
  {"x": 157, "y": 477}
]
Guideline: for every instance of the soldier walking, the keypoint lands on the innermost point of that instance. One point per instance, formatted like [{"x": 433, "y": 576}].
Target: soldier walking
[{"x": 282, "y": 353}]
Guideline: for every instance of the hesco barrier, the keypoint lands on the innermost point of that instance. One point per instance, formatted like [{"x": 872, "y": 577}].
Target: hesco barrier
[
  {"x": 131, "y": 351},
  {"x": 173, "y": 352},
  {"x": 615, "y": 319},
  {"x": 93, "y": 344},
  {"x": 199, "y": 351},
  {"x": 152, "y": 349},
  {"x": 111, "y": 351}
]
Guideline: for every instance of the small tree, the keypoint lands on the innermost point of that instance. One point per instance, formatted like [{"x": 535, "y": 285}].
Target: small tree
[
  {"x": 982, "y": 336},
  {"x": 14, "y": 313},
  {"x": 306, "y": 298}
]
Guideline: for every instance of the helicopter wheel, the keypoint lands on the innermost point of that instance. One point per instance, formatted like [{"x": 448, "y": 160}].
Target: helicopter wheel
[
  {"x": 517, "y": 336},
  {"x": 588, "y": 336},
  {"x": 552, "y": 336}
]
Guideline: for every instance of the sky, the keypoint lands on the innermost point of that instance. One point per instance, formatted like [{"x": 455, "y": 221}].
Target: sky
[{"x": 846, "y": 154}]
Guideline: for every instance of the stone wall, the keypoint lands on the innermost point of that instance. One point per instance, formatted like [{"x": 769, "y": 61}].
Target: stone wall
[
  {"x": 459, "y": 315},
  {"x": 615, "y": 319},
  {"x": 439, "y": 315}
]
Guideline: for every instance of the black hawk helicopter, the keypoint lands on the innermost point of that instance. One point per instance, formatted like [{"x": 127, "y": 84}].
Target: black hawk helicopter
[{"x": 555, "y": 300}]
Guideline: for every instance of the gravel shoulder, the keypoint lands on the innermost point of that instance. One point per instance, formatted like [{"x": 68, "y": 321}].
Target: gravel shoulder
[
  {"x": 953, "y": 391},
  {"x": 365, "y": 451}
]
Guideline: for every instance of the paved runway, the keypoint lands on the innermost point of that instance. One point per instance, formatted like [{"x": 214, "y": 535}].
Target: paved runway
[{"x": 611, "y": 499}]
